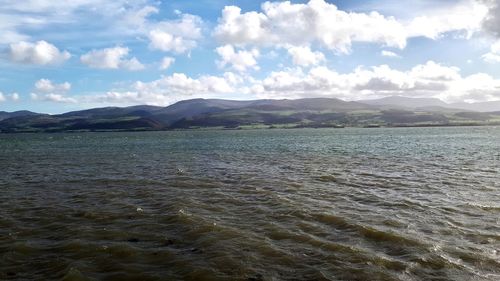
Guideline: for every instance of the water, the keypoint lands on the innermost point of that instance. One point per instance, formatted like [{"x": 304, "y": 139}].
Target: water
[{"x": 308, "y": 204}]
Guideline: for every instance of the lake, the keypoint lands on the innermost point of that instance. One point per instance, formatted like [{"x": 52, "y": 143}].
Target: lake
[{"x": 296, "y": 204}]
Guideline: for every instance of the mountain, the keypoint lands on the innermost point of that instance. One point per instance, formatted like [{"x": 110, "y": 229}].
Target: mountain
[
  {"x": 432, "y": 104},
  {"x": 272, "y": 112},
  {"x": 405, "y": 102},
  {"x": 196, "y": 107},
  {"x": 108, "y": 112},
  {"x": 205, "y": 113},
  {"x": 489, "y": 106},
  {"x": 6, "y": 115}
]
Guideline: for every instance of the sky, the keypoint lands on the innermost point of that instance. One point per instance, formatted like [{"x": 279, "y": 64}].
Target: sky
[{"x": 94, "y": 53}]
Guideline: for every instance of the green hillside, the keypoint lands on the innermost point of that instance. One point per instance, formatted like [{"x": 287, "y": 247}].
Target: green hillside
[{"x": 215, "y": 113}]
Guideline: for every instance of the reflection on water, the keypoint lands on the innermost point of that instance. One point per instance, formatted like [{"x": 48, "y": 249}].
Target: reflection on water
[{"x": 309, "y": 204}]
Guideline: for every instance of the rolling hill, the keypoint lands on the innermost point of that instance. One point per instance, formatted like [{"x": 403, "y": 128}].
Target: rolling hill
[
  {"x": 405, "y": 102},
  {"x": 218, "y": 113},
  {"x": 6, "y": 115}
]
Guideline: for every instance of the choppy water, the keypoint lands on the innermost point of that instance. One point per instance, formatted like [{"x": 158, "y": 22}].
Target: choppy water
[{"x": 309, "y": 204}]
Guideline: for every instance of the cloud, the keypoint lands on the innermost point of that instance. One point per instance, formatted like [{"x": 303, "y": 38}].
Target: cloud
[
  {"x": 493, "y": 56},
  {"x": 132, "y": 64},
  {"x": 137, "y": 18},
  {"x": 18, "y": 19},
  {"x": 115, "y": 21},
  {"x": 47, "y": 86},
  {"x": 11, "y": 97},
  {"x": 52, "y": 98},
  {"x": 40, "y": 53},
  {"x": 389, "y": 54},
  {"x": 164, "y": 41},
  {"x": 491, "y": 25},
  {"x": 169, "y": 89},
  {"x": 63, "y": 8},
  {"x": 166, "y": 62},
  {"x": 284, "y": 23},
  {"x": 491, "y": 22},
  {"x": 9, "y": 36},
  {"x": 430, "y": 79},
  {"x": 111, "y": 58},
  {"x": 425, "y": 80},
  {"x": 178, "y": 36},
  {"x": 180, "y": 84},
  {"x": 239, "y": 60},
  {"x": 303, "y": 56},
  {"x": 466, "y": 15},
  {"x": 46, "y": 90},
  {"x": 14, "y": 96}
]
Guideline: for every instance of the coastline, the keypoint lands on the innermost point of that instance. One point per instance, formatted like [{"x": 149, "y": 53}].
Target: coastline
[{"x": 264, "y": 127}]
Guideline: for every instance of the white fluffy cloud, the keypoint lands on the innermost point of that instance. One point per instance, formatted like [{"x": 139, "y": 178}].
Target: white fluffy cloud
[
  {"x": 52, "y": 97},
  {"x": 179, "y": 84},
  {"x": 18, "y": 17},
  {"x": 178, "y": 36},
  {"x": 167, "y": 42},
  {"x": 426, "y": 80},
  {"x": 96, "y": 20},
  {"x": 172, "y": 88},
  {"x": 14, "y": 96},
  {"x": 111, "y": 58},
  {"x": 389, "y": 54},
  {"x": 40, "y": 53},
  {"x": 136, "y": 20},
  {"x": 47, "y": 86},
  {"x": 466, "y": 15},
  {"x": 166, "y": 62},
  {"x": 493, "y": 56},
  {"x": 46, "y": 90},
  {"x": 239, "y": 60},
  {"x": 282, "y": 23},
  {"x": 132, "y": 64},
  {"x": 303, "y": 56},
  {"x": 11, "y": 97},
  {"x": 9, "y": 36},
  {"x": 301, "y": 24}
]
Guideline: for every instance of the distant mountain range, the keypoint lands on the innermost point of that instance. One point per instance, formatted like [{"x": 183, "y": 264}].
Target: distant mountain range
[
  {"x": 426, "y": 103},
  {"x": 479, "y": 106},
  {"x": 217, "y": 113},
  {"x": 6, "y": 115},
  {"x": 405, "y": 102}
]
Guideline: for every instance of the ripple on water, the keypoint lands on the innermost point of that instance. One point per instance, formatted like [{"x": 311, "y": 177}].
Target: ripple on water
[{"x": 352, "y": 204}]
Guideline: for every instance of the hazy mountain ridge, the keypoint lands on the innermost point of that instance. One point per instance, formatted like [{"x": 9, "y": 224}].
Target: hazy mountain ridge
[
  {"x": 6, "y": 115},
  {"x": 421, "y": 103},
  {"x": 200, "y": 113},
  {"x": 489, "y": 106},
  {"x": 406, "y": 102}
]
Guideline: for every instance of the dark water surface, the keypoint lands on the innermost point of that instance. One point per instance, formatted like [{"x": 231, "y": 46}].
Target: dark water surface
[{"x": 308, "y": 204}]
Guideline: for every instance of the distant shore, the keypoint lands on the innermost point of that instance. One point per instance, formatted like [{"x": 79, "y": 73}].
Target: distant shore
[
  {"x": 263, "y": 127},
  {"x": 256, "y": 114}
]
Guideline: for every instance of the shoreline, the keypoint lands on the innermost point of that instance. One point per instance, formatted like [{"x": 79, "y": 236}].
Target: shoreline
[{"x": 269, "y": 127}]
